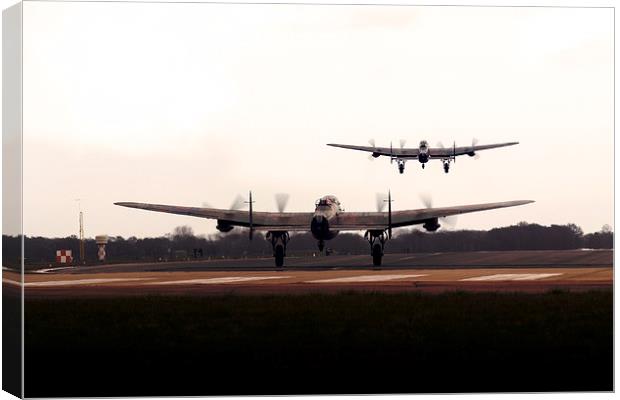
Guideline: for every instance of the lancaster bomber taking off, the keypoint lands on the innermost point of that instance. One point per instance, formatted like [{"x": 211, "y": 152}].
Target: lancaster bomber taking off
[
  {"x": 423, "y": 153},
  {"x": 325, "y": 222}
]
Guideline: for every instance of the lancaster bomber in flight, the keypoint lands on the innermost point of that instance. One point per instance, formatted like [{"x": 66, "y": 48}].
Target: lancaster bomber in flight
[
  {"x": 325, "y": 222},
  {"x": 423, "y": 153}
]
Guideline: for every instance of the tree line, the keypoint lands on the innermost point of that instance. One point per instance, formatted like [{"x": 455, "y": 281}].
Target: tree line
[{"x": 182, "y": 243}]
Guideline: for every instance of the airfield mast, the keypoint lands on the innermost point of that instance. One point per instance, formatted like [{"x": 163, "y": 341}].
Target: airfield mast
[{"x": 81, "y": 232}]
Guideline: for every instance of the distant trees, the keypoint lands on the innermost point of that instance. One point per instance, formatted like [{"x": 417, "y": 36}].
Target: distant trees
[
  {"x": 603, "y": 239},
  {"x": 182, "y": 240}
]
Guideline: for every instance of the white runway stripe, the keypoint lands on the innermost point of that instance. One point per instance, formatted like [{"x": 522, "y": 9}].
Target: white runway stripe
[
  {"x": 228, "y": 279},
  {"x": 365, "y": 278},
  {"x": 47, "y": 270},
  {"x": 511, "y": 277},
  {"x": 83, "y": 281}
]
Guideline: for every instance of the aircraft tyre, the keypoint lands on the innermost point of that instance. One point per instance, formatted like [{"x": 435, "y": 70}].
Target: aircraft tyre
[
  {"x": 279, "y": 256},
  {"x": 377, "y": 254}
]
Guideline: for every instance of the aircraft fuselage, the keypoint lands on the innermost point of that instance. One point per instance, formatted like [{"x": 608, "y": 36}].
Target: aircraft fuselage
[
  {"x": 327, "y": 208},
  {"x": 423, "y": 154}
]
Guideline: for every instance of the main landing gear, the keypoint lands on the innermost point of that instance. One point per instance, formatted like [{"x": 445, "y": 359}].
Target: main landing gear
[
  {"x": 278, "y": 244},
  {"x": 321, "y": 245},
  {"x": 376, "y": 239},
  {"x": 446, "y": 166},
  {"x": 401, "y": 166}
]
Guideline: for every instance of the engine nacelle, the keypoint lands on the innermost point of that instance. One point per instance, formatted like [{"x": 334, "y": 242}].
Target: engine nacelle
[
  {"x": 471, "y": 153},
  {"x": 223, "y": 226},
  {"x": 432, "y": 225},
  {"x": 375, "y": 155}
]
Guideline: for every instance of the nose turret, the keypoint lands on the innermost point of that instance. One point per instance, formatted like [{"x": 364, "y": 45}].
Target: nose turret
[{"x": 319, "y": 226}]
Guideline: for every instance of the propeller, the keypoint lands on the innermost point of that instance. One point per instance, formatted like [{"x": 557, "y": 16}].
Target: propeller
[
  {"x": 250, "y": 214},
  {"x": 381, "y": 201},
  {"x": 238, "y": 203},
  {"x": 474, "y": 141},
  {"x": 402, "y": 143},
  {"x": 389, "y": 201},
  {"x": 454, "y": 151},
  {"x": 427, "y": 200},
  {"x": 453, "y": 156},
  {"x": 372, "y": 144},
  {"x": 281, "y": 201}
]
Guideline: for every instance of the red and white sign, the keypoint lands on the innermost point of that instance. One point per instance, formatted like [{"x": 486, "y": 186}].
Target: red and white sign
[{"x": 64, "y": 256}]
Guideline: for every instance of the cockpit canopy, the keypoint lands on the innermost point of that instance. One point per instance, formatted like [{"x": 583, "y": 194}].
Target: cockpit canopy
[
  {"x": 327, "y": 201},
  {"x": 423, "y": 144}
]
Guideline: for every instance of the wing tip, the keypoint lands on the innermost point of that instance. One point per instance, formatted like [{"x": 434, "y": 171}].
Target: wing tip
[{"x": 124, "y": 203}]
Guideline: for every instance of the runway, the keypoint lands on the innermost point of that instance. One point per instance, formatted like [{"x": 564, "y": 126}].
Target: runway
[
  {"x": 577, "y": 270},
  {"x": 446, "y": 260}
]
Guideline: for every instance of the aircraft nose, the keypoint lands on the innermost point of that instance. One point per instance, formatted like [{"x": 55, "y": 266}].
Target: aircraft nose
[{"x": 319, "y": 224}]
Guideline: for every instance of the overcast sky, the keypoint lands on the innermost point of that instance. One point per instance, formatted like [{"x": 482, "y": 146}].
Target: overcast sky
[{"x": 190, "y": 103}]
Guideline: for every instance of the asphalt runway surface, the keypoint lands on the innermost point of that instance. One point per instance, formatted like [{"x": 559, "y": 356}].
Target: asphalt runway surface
[{"x": 515, "y": 271}]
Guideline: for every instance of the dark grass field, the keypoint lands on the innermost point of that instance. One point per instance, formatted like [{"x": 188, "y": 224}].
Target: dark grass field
[
  {"x": 319, "y": 343},
  {"x": 11, "y": 340}
]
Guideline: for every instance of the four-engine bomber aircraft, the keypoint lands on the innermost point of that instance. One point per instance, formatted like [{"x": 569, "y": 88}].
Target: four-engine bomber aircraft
[
  {"x": 325, "y": 222},
  {"x": 423, "y": 153}
]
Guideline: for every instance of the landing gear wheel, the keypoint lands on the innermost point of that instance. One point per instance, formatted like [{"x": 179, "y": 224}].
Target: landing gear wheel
[
  {"x": 376, "y": 239},
  {"x": 423, "y": 166},
  {"x": 278, "y": 244},
  {"x": 446, "y": 167},
  {"x": 279, "y": 256},
  {"x": 377, "y": 254},
  {"x": 321, "y": 245}
]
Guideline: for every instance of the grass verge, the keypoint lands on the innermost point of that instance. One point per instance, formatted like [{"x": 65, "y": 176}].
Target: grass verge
[{"x": 319, "y": 343}]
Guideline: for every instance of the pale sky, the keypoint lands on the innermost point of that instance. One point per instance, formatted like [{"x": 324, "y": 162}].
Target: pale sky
[{"x": 190, "y": 103}]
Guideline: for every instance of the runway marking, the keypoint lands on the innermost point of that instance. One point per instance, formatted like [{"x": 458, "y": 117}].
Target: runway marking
[
  {"x": 511, "y": 277},
  {"x": 365, "y": 278},
  {"x": 47, "y": 270},
  {"x": 210, "y": 281},
  {"x": 84, "y": 281}
]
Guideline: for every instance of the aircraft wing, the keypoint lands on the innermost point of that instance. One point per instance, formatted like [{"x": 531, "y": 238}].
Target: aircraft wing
[
  {"x": 299, "y": 221},
  {"x": 379, "y": 220},
  {"x": 458, "y": 151},
  {"x": 381, "y": 151},
  {"x": 261, "y": 221}
]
